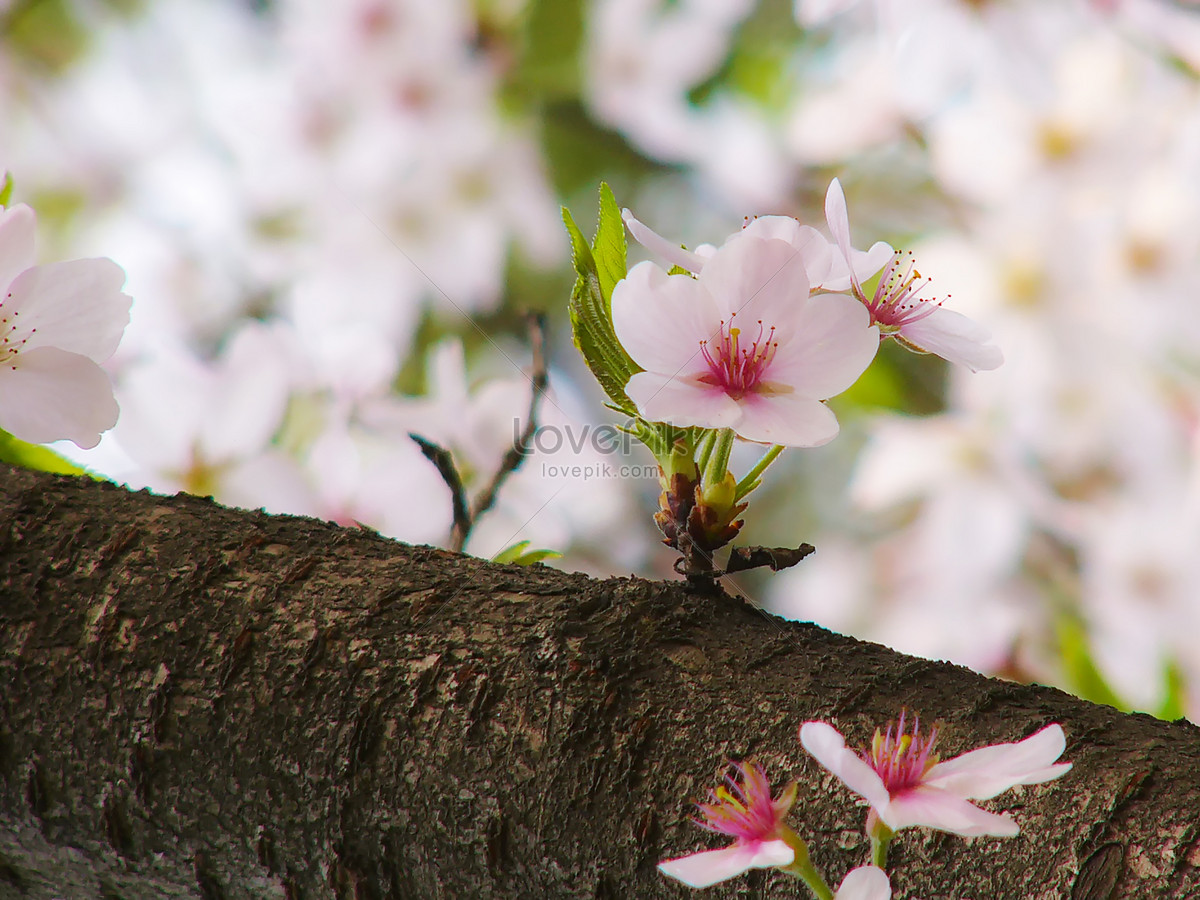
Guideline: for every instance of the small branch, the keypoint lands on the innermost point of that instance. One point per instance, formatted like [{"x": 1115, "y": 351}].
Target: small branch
[
  {"x": 444, "y": 462},
  {"x": 466, "y": 515},
  {"x": 539, "y": 379}
]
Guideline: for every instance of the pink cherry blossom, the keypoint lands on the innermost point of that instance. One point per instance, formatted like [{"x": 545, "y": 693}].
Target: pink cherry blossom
[
  {"x": 920, "y": 323},
  {"x": 746, "y": 813},
  {"x": 742, "y": 345},
  {"x": 58, "y": 322},
  {"x": 902, "y": 780},
  {"x": 865, "y": 883}
]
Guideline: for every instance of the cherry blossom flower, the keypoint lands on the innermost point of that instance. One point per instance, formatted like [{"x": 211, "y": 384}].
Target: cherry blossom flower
[
  {"x": 921, "y": 324},
  {"x": 828, "y": 269},
  {"x": 746, "y": 813},
  {"x": 766, "y": 379},
  {"x": 58, "y": 322},
  {"x": 902, "y": 780},
  {"x": 865, "y": 883}
]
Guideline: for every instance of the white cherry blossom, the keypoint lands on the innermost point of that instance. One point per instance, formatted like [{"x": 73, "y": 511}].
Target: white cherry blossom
[{"x": 58, "y": 322}]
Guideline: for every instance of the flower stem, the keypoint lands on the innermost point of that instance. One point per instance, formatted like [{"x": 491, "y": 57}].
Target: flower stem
[
  {"x": 881, "y": 838},
  {"x": 802, "y": 867},
  {"x": 717, "y": 463},
  {"x": 705, "y": 446},
  {"x": 750, "y": 482}
]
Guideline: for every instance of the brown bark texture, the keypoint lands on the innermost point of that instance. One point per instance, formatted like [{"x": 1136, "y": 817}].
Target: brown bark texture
[{"x": 209, "y": 703}]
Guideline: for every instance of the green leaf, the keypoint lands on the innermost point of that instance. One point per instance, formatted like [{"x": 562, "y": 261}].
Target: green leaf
[
  {"x": 6, "y": 191},
  {"x": 517, "y": 555},
  {"x": 17, "y": 452},
  {"x": 591, "y": 303},
  {"x": 608, "y": 248}
]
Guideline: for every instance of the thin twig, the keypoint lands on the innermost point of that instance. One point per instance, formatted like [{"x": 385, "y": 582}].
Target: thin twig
[
  {"x": 539, "y": 379},
  {"x": 441, "y": 458}
]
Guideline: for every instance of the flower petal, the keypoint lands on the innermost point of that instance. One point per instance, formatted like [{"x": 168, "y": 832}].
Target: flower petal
[
  {"x": 48, "y": 394},
  {"x": 661, "y": 319},
  {"x": 700, "y": 870},
  {"x": 17, "y": 228},
  {"x": 988, "y": 771},
  {"x": 865, "y": 883},
  {"x": 790, "y": 419},
  {"x": 940, "y": 809},
  {"x": 837, "y": 217},
  {"x": 757, "y": 279},
  {"x": 681, "y": 401},
  {"x": 955, "y": 338},
  {"x": 813, "y": 247},
  {"x": 660, "y": 246},
  {"x": 833, "y": 344},
  {"x": 865, "y": 263},
  {"x": 76, "y": 306},
  {"x": 828, "y": 747}
]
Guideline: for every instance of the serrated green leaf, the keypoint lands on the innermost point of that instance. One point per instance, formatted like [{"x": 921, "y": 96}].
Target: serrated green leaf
[
  {"x": 7, "y": 190},
  {"x": 581, "y": 253},
  {"x": 17, "y": 452},
  {"x": 608, "y": 247},
  {"x": 590, "y": 307}
]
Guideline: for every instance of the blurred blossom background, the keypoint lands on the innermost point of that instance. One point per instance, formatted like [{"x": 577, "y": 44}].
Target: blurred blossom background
[{"x": 333, "y": 217}]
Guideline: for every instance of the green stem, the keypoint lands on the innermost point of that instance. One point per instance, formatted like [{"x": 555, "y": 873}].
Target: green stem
[
  {"x": 881, "y": 838},
  {"x": 705, "y": 447},
  {"x": 717, "y": 463},
  {"x": 802, "y": 867},
  {"x": 749, "y": 483}
]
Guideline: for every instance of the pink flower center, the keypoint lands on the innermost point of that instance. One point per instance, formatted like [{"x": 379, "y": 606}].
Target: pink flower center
[
  {"x": 895, "y": 302},
  {"x": 901, "y": 760},
  {"x": 744, "y": 811},
  {"x": 732, "y": 365}
]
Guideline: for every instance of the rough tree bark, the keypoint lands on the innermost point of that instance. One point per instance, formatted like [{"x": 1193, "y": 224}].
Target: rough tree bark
[{"x": 209, "y": 703}]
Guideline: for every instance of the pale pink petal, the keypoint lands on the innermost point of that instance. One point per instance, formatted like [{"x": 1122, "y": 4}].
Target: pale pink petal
[
  {"x": 828, "y": 747},
  {"x": 837, "y": 217},
  {"x": 934, "y": 808},
  {"x": 758, "y": 280},
  {"x": 833, "y": 344},
  {"x": 17, "y": 227},
  {"x": 812, "y": 246},
  {"x": 660, "y": 246},
  {"x": 49, "y": 394},
  {"x": 955, "y": 338},
  {"x": 988, "y": 771},
  {"x": 790, "y": 419},
  {"x": 866, "y": 263},
  {"x": 661, "y": 319},
  {"x": 681, "y": 401},
  {"x": 76, "y": 306},
  {"x": 700, "y": 870},
  {"x": 865, "y": 883}
]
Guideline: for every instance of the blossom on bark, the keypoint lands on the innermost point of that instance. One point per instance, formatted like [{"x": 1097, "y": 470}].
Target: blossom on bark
[
  {"x": 919, "y": 323},
  {"x": 745, "y": 812},
  {"x": 865, "y": 883},
  {"x": 58, "y": 322},
  {"x": 905, "y": 784},
  {"x": 742, "y": 345}
]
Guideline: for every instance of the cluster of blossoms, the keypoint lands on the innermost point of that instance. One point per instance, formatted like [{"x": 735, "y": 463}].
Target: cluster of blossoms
[
  {"x": 904, "y": 784},
  {"x": 748, "y": 340}
]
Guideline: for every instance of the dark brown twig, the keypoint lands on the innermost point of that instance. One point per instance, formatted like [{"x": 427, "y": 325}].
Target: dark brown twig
[
  {"x": 539, "y": 379},
  {"x": 441, "y": 458},
  {"x": 466, "y": 516}
]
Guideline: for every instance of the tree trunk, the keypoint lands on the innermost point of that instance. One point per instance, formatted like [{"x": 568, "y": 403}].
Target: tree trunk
[{"x": 210, "y": 703}]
